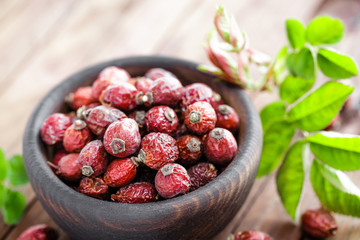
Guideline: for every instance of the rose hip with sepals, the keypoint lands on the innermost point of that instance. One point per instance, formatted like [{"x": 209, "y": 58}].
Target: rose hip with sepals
[
  {"x": 172, "y": 180},
  {"x": 68, "y": 168},
  {"x": 200, "y": 118},
  {"x": 138, "y": 192},
  {"x": 122, "y": 96},
  {"x": 155, "y": 73},
  {"x": 81, "y": 97},
  {"x": 139, "y": 117},
  {"x": 220, "y": 146},
  {"x": 161, "y": 119},
  {"x": 54, "y": 127},
  {"x": 201, "y": 174},
  {"x": 82, "y": 112},
  {"x": 190, "y": 149},
  {"x": 249, "y": 235},
  {"x": 39, "y": 232},
  {"x": 142, "y": 84},
  {"x": 122, "y": 138},
  {"x": 93, "y": 159},
  {"x": 76, "y": 136},
  {"x": 120, "y": 172},
  {"x": 94, "y": 187},
  {"x": 227, "y": 118},
  {"x": 319, "y": 223},
  {"x": 196, "y": 92}
]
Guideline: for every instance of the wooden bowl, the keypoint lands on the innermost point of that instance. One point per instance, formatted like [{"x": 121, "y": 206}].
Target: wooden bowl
[{"x": 198, "y": 215}]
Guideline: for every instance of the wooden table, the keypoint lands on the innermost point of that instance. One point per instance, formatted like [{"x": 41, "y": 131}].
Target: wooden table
[{"x": 43, "y": 41}]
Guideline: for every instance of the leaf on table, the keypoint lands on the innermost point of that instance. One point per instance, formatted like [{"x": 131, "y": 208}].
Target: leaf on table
[
  {"x": 14, "y": 206},
  {"x": 316, "y": 111},
  {"x": 304, "y": 64},
  {"x": 2, "y": 165},
  {"x": 16, "y": 171},
  {"x": 271, "y": 113},
  {"x": 324, "y": 30},
  {"x": 296, "y": 33},
  {"x": 292, "y": 88}
]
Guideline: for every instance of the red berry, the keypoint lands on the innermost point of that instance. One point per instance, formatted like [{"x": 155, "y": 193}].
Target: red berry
[
  {"x": 201, "y": 174},
  {"x": 58, "y": 156},
  {"x": 220, "y": 146},
  {"x": 196, "y": 92},
  {"x": 158, "y": 149},
  {"x": 76, "y": 136},
  {"x": 200, "y": 118},
  {"x": 250, "y": 235},
  {"x": 93, "y": 159},
  {"x": 122, "y": 138},
  {"x": 100, "y": 117},
  {"x": 227, "y": 118},
  {"x": 172, "y": 180},
  {"x": 139, "y": 192},
  {"x": 142, "y": 84},
  {"x": 120, "y": 172},
  {"x": 68, "y": 168},
  {"x": 319, "y": 223},
  {"x": 81, "y": 97},
  {"x": 39, "y": 232},
  {"x": 122, "y": 96},
  {"x": 217, "y": 100},
  {"x": 94, "y": 187},
  {"x": 81, "y": 113},
  {"x": 161, "y": 119},
  {"x": 190, "y": 149},
  {"x": 139, "y": 117},
  {"x": 54, "y": 127},
  {"x": 155, "y": 73}
]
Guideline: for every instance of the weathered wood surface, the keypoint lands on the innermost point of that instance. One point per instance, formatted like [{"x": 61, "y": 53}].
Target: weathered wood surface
[{"x": 43, "y": 41}]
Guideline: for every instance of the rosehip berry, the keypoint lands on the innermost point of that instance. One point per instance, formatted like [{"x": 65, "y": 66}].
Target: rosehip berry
[
  {"x": 142, "y": 84},
  {"x": 39, "y": 232},
  {"x": 76, "y": 136},
  {"x": 201, "y": 174},
  {"x": 83, "y": 112},
  {"x": 68, "y": 168},
  {"x": 139, "y": 192},
  {"x": 158, "y": 149},
  {"x": 81, "y": 97},
  {"x": 250, "y": 235},
  {"x": 220, "y": 146},
  {"x": 122, "y": 138},
  {"x": 139, "y": 117},
  {"x": 120, "y": 172},
  {"x": 54, "y": 127},
  {"x": 227, "y": 118},
  {"x": 122, "y": 96},
  {"x": 161, "y": 119},
  {"x": 94, "y": 187},
  {"x": 58, "y": 156},
  {"x": 217, "y": 100},
  {"x": 196, "y": 92},
  {"x": 155, "y": 73},
  {"x": 200, "y": 118},
  {"x": 100, "y": 117},
  {"x": 319, "y": 223},
  {"x": 93, "y": 159},
  {"x": 190, "y": 149},
  {"x": 172, "y": 180},
  {"x": 108, "y": 76}
]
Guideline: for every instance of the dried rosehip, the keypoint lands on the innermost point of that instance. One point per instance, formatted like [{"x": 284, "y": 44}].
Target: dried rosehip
[
  {"x": 139, "y": 117},
  {"x": 227, "y": 118},
  {"x": 220, "y": 146},
  {"x": 58, "y": 156},
  {"x": 122, "y": 138},
  {"x": 100, "y": 117},
  {"x": 39, "y": 232},
  {"x": 139, "y": 192},
  {"x": 217, "y": 101},
  {"x": 54, "y": 127},
  {"x": 172, "y": 180},
  {"x": 200, "y": 118},
  {"x": 76, "y": 136},
  {"x": 82, "y": 113},
  {"x": 81, "y": 97},
  {"x": 108, "y": 76},
  {"x": 122, "y": 96},
  {"x": 120, "y": 172},
  {"x": 94, "y": 187},
  {"x": 93, "y": 159},
  {"x": 142, "y": 84},
  {"x": 155, "y": 73},
  {"x": 319, "y": 223},
  {"x": 201, "y": 174},
  {"x": 68, "y": 168},
  {"x": 190, "y": 149},
  {"x": 196, "y": 92},
  {"x": 158, "y": 149},
  {"x": 162, "y": 119},
  {"x": 249, "y": 235}
]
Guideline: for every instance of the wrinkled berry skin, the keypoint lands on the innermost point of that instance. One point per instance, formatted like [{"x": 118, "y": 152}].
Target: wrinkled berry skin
[
  {"x": 139, "y": 117},
  {"x": 200, "y": 118},
  {"x": 220, "y": 146},
  {"x": 68, "y": 168},
  {"x": 197, "y": 92},
  {"x": 139, "y": 192},
  {"x": 162, "y": 119},
  {"x": 190, "y": 149},
  {"x": 319, "y": 223},
  {"x": 100, "y": 117},
  {"x": 93, "y": 159},
  {"x": 122, "y": 138},
  {"x": 58, "y": 156},
  {"x": 158, "y": 149},
  {"x": 172, "y": 180},
  {"x": 250, "y": 235},
  {"x": 142, "y": 84},
  {"x": 76, "y": 136},
  {"x": 94, "y": 187},
  {"x": 39, "y": 232},
  {"x": 54, "y": 127},
  {"x": 120, "y": 172},
  {"x": 122, "y": 96},
  {"x": 227, "y": 118},
  {"x": 201, "y": 174},
  {"x": 155, "y": 73},
  {"x": 108, "y": 76},
  {"x": 82, "y": 97}
]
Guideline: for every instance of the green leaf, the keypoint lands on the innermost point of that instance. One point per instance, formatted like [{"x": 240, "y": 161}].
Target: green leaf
[
  {"x": 280, "y": 64},
  {"x": 304, "y": 64},
  {"x": 290, "y": 179},
  {"x": 340, "y": 151},
  {"x": 2, "y": 165},
  {"x": 292, "y": 88},
  {"x": 272, "y": 113},
  {"x": 14, "y": 206},
  {"x": 2, "y": 194},
  {"x": 16, "y": 171},
  {"x": 335, "y": 190},
  {"x": 296, "y": 33},
  {"x": 317, "y": 110},
  {"x": 336, "y": 65},
  {"x": 276, "y": 140},
  {"x": 290, "y": 63},
  {"x": 324, "y": 30}
]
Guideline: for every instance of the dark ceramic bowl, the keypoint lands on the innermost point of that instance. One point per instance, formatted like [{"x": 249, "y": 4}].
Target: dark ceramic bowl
[{"x": 198, "y": 215}]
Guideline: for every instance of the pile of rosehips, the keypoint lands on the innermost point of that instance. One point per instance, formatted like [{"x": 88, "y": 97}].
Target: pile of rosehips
[{"x": 130, "y": 139}]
